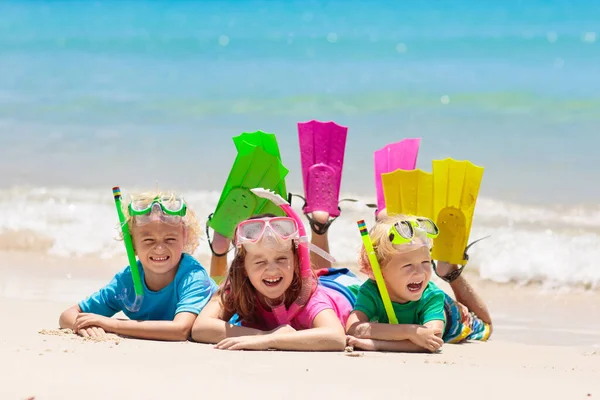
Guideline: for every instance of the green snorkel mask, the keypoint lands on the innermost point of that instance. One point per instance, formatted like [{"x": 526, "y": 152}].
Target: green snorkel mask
[{"x": 169, "y": 210}]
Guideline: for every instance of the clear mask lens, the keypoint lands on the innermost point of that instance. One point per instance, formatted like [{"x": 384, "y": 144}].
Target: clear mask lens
[
  {"x": 172, "y": 204},
  {"x": 283, "y": 227},
  {"x": 141, "y": 205},
  {"x": 405, "y": 229},
  {"x": 428, "y": 226},
  {"x": 252, "y": 231}
]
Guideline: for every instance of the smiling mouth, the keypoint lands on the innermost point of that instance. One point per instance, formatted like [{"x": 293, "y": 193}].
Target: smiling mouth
[
  {"x": 271, "y": 282},
  {"x": 415, "y": 286},
  {"x": 160, "y": 259}
]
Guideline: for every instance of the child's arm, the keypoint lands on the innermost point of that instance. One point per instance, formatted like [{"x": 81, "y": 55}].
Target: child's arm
[
  {"x": 425, "y": 337},
  {"x": 210, "y": 327},
  {"x": 326, "y": 334},
  {"x": 101, "y": 303},
  {"x": 95, "y": 325},
  {"x": 465, "y": 294},
  {"x": 402, "y": 346},
  {"x": 67, "y": 321},
  {"x": 368, "y": 305},
  {"x": 176, "y": 330},
  {"x": 194, "y": 290},
  {"x": 68, "y": 317}
]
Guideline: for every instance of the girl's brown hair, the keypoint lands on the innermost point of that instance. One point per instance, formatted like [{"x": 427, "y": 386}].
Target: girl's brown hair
[{"x": 238, "y": 296}]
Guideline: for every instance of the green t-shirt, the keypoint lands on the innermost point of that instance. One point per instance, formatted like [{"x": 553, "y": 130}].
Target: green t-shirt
[{"x": 429, "y": 308}]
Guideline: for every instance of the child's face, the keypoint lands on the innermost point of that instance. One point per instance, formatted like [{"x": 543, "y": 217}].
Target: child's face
[
  {"x": 270, "y": 270},
  {"x": 159, "y": 246},
  {"x": 407, "y": 274}
]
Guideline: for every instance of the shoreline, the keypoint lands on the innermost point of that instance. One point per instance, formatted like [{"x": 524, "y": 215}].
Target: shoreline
[
  {"x": 545, "y": 339},
  {"x": 530, "y": 314}
]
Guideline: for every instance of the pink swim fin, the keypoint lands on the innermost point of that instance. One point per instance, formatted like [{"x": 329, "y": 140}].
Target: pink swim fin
[
  {"x": 322, "y": 147},
  {"x": 400, "y": 155}
]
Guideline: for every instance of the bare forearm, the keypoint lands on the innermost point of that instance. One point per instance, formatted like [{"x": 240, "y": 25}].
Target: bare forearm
[
  {"x": 404, "y": 346},
  {"x": 154, "y": 330},
  {"x": 370, "y": 330},
  {"x": 465, "y": 294},
  {"x": 213, "y": 330},
  {"x": 315, "y": 339}
]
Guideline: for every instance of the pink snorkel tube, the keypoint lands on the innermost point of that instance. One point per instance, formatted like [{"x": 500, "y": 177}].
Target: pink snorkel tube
[{"x": 283, "y": 315}]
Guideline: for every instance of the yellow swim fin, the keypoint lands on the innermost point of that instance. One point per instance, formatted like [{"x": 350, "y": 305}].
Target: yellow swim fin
[
  {"x": 455, "y": 190},
  {"x": 408, "y": 192}
]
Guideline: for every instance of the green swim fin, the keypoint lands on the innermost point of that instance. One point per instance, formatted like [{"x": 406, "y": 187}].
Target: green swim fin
[
  {"x": 253, "y": 167},
  {"x": 456, "y": 187},
  {"x": 268, "y": 141},
  {"x": 408, "y": 192}
]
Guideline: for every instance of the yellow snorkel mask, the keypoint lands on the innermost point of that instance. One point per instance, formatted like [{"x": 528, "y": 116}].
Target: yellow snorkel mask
[{"x": 418, "y": 231}]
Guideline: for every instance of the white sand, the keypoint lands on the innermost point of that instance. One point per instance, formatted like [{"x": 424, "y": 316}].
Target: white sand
[{"x": 546, "y": 344}]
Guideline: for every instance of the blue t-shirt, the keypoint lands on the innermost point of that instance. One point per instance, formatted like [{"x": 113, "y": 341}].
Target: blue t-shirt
[{"x": 190, "y": 291}]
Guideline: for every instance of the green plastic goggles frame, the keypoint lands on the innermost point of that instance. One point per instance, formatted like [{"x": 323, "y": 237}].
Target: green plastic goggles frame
[
  {"x": 403, "y": 232},
  {"x": 181, "y": 212}
]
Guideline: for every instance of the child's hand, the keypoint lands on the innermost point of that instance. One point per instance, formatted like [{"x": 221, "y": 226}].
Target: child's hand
[
  {"x": 427, "y": 338},
  {"x": 443, "y": 268},
  {"x": 93, "y": 332},
  {"x": 362, "y": 344},
  {"x": 258, "y": 342},
  {"x": 89, "y": 320}
]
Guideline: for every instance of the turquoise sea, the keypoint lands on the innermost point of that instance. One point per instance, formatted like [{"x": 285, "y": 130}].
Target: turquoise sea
[{"x": 99, "y": 93}]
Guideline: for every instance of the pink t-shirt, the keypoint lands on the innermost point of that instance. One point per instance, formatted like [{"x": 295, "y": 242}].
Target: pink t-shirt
[{"x": 323, "y": 298}]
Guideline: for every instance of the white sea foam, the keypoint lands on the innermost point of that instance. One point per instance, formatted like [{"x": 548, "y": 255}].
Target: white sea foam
[{"x": 557, "y": 246}]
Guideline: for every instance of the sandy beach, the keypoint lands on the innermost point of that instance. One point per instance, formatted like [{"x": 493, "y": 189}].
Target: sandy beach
[
  {"x": 546, "y": 343},
  {"x": 149, "y": 94}
]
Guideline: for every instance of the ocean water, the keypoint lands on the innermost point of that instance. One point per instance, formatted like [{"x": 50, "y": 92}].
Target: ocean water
[{"x": 131, "y": 93}]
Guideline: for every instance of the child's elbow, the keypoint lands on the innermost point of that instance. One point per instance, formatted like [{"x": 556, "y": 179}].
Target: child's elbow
[
  {"x": 199, "y": 331},
  {"x": 183, "y": 333},
  {"x": 339, "y": 344},
  {"x": 336, "y": 341},
  {"x": 62, "y": 320},
  {"x": 67, "y": 317}
]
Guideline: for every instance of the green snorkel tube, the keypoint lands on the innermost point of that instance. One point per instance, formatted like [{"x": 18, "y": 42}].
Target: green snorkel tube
[{"x": 135, "y": 272}]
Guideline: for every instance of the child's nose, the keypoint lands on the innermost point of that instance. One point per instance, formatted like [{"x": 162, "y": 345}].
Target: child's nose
[{"x": 272, "y": 265}]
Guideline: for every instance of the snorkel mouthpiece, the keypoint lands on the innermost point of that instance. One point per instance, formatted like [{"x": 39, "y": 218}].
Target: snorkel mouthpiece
[{"x": 135, "y": 304}]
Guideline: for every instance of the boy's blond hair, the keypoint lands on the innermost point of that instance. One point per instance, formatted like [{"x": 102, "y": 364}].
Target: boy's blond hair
[
  {"x": 384, "y": 248},
  {"x": 190, "y": 223}
]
